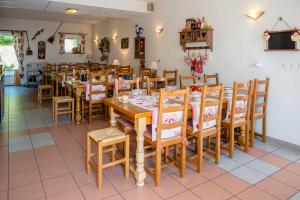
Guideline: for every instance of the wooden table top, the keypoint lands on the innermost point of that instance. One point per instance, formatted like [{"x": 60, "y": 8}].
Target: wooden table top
[{"x": 75, "y": 84}]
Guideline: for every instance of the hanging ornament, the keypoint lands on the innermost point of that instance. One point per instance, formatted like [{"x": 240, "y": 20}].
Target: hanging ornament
[
  {"x": 295, "y": 35},
  {"x": 266, "y": 35}
]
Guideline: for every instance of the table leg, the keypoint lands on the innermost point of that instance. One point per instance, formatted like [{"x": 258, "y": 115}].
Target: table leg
[
  {"x": 140, "y": 174},
  {"x": 241, "y": 139},
  {"x": 112, "y": 117},
  {"x": 56, "y": 88},
  {"x": 77, "y": 109},
  {"x": 69, "y": 90}
]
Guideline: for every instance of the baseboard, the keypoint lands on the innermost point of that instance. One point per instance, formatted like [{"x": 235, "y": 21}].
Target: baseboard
[{"x": 283, "y": 143}]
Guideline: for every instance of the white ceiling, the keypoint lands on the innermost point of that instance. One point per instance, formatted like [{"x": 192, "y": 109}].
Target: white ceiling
[{"x": 90, "y": 11}]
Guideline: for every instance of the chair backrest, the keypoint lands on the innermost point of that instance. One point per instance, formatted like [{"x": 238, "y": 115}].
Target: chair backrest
[
  {"x": 125, "y": 68},
  {"x": 260, "y": 96},
  {"x": 113, "y": 67},
  {"x": 126, "y": 75},
  {"x": 124, "y": 87},
  {"x": 171, "y": 75},
  {"x": 155, "y": 84},
  {"x": 97, "y": 86},
  {"x": 184, "y": 79},
  {"x": 211, "y": 79},
  {"x": 145, "y": 73},
  {"x": 172, "y": 117},
  {"x": 111, "y": 74},
  {"x": 69, "y": 74},
  {"x": 210, "y": 114},
  {"x": 241, "y": 101}
]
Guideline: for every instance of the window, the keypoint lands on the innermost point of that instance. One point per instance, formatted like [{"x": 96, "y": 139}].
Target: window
[
  {"x": 72, "y": 43},
  {"x": 7, "y": 51}
]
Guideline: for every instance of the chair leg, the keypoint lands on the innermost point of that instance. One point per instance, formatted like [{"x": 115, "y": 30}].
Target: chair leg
[
  {"x": 199, "y": 153},
  {"x": 73, "y": 111},
  {"x": 90, "y": 112},
  {"x": 69, "y": 110},
  {"x": 231, "y": 142},
  {"x": 252, "y": 122},
  {"x": 175, "y": 152},
  {"x": 264, "y": 130},
  {"x": 53, "y": 102},
  {"x": 208, "y": 142},
  {"x": 246, "y": 138},
  {"x": 166, "y": 154},
  {"x": 183, "y": 160},
  {"x": 127, "y": 149},
  {"x": 158, "y": 167},
  {"x": 88, "y": 154},
  {"x": 113, "y": 153},
  {"x": 218, "y": 148},
  {"x": 55, "y": 112},
  {"x": 100, "y": 169}
]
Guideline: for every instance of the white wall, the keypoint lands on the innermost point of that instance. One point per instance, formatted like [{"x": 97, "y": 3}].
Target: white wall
[
  {"x": 238, "y": 44},
  {"x": 52, "y": 50}
]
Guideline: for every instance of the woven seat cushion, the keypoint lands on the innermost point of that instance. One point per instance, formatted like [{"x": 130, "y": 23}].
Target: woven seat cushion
[
  {"x": 126, "y": 124},
  {"x": 106, "y": 135}
]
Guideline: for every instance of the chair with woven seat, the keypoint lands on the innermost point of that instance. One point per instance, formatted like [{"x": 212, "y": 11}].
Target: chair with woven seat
[
  {"x": 208, "y": 125},
  {"x": 211, "y": 79},
  {"x": 41, "y": 92},
  {"x": 239, "y": 116},
  {"x": 259, "y": 108},
  {"x": 63, "y": 105},
  {"x": 107, "y": 141},
  {"x": 190, "y": 79},
  {"x": 145, "y": 73},
  {"x": 171, "y": 75},
  {"x": 168, "y": 129}
]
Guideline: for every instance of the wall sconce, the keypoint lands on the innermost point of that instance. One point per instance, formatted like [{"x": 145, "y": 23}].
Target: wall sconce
[
  {"x": 115, "y": 37},
  {"x": 159, "y": 30},
  {"x": 255, "y": 14},
  {"x": 96, "y": 40}
]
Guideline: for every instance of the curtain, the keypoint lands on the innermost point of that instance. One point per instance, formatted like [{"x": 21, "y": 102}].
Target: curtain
[
  {"x": 83, "y": 36},
  {"x": 19, "y": 49},
  {"x": 61, "y": 43}
]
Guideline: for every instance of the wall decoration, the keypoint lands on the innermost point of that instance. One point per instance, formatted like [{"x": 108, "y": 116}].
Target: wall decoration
[
  {"x": 51, "y": 39},
  {"x": 139, "y": 31},
  {"x": 283, "y": 40},
  {"x": 197, "y": 61},
  {"x": 28, "y": 51},
  {"x": 196, "y": 31},
  {"x": 104, "y": 47},
  {"x": 37, "y": 34},
  {"x": 139, "y": 48},
  {"x": 41, "y": 50},
  {"x": 124, "y": 43}
]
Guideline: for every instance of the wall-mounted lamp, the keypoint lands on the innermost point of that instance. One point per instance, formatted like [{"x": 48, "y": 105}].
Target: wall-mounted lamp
[
  {"x": 255, "y": 14},
  {"x": 116, "y": 62},
  {"x": 159, "y": 30},
  {"x": 96, "y": 40},
  {"x": 115, "y": 37}
]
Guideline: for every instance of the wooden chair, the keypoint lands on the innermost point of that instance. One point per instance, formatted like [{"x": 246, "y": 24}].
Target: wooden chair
[
  {"x": 171, "y": 75},
  {"x": 209, "y": 125},
  {"x": 112, "y": 67},
  {"x": 63, "y": 105},
  {"x": 160, "y": 141},
  {"x": 213, "y": 77},
  {"x": 183, "y": 79},
  {"x": 155, "y": 84},
  {"x": 239, "y": 115},
  {"x": 125, "y": 69},
  {"x": 97, "y": 92},
  {"x": 259, "y": 108},
  {"x": 130, "y": 85},
  {"x": 145, "y": 73},
  {"x": 41, "y": 92},
  {"x": 106, "y": 141},
  {"x": 125, "y": 75}
]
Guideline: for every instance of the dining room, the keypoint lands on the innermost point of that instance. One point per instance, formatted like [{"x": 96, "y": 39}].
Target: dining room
[{"x": 140, "y": 99}]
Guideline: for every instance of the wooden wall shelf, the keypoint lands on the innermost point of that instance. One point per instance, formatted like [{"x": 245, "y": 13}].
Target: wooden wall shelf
[{"x": 196, "y": 36}]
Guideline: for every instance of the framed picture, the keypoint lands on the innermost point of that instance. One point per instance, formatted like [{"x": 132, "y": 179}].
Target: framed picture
[
  {"x": 124, "y": 43},
  {"x": 41, "y": 50}
]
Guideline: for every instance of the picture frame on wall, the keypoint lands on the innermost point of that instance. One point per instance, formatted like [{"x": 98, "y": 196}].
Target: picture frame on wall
[
  {"x": 124, "y": 43},
  {"x": 41, "y": 50}
]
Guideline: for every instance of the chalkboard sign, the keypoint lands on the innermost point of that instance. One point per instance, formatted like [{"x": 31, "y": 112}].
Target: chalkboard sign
[{"x": 281, "y": 40}]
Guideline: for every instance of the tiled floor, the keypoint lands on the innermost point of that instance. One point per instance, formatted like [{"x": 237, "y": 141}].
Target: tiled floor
[{"x": 40, "y": 161}]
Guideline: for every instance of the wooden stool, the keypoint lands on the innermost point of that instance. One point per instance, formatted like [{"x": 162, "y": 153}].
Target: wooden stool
[
  {"x": 41, "y": 88},
  {"x": 106, "y": 140},
  {"x": 57, "y": 110}
]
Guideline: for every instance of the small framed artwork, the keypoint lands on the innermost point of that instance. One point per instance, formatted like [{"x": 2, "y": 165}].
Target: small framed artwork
[
  {"x": 124, "y": 43},
  {"x": 41, "y": 50}
]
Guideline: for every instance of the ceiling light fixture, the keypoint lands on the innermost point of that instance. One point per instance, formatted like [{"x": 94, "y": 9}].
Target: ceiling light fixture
[
  {"x": 71, "y": 11},
  {"x": 255, "y": 14}
]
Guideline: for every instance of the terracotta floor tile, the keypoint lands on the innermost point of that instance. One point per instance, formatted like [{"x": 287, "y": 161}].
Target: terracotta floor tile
[
  {"x": 231, "y": 183},
  {"x": 27, "y": 192},
  {"x": 73, "y": 194},
  {"x": 46, "y": 151},
  {"x": 188, "y": 195},
  {"x": 74, "y": 154},
  {"x": 3, "y": 195},
  {"x": 121, "y": 183},
  {"x": 54, "y": 170},
  {"x": 4, "y": 169},
  {"x": 288, "y": 178},
  {"x": 20, "y": 156},
  {"x": 275, "y": 160},
  {"x": 83, "y": 178},
  {"x": 52, "y": 159},
  {"x": 24, "y": 178},
  {"x": 211, "y": 171},
  {"x": 59, "y": 184},
  {"x": 22, "y": 165},
  {"x": 276, "y": 188},
  {"x": 76, "y": 165},
  {"x": 91, "y": 191},
  {"x": 115, "y": 197},
  {"x": 295, "y": 168},
  {"x": 168, "y": 187},
  {"x": 255, "y": 193},
  {"x": 191, "y": 179},
  {"x": 138, "y": 193},
  {"x": 211, "y": 191},
  {"x": 3, "y": 183},
  {"x": 255, "y": 152}
]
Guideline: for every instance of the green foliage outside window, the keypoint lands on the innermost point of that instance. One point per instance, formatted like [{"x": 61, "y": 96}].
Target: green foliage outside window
[{"x": 6, "y": 40}]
